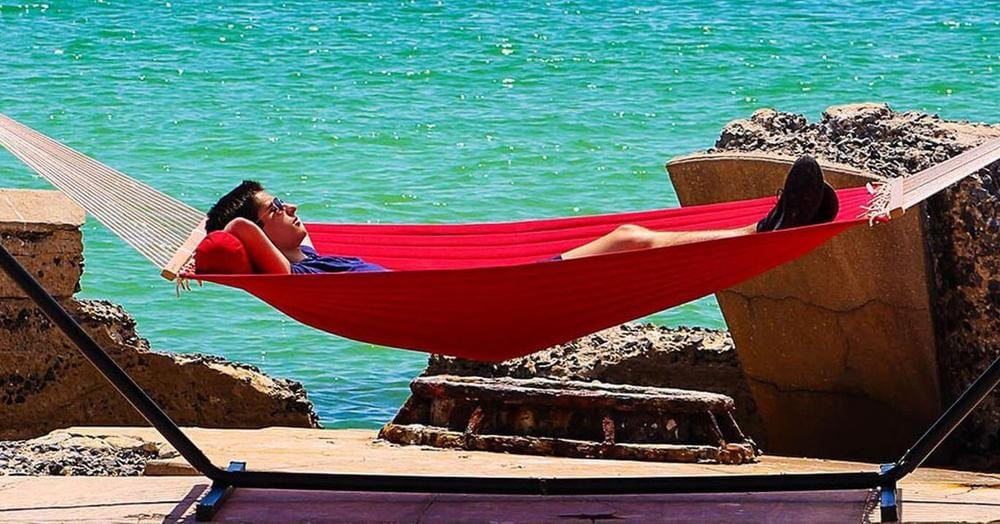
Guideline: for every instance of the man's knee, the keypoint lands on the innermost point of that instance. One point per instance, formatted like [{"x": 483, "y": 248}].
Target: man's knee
[
  {"x": 633, "y": 236},
  {"x": 630, "y": 229}
]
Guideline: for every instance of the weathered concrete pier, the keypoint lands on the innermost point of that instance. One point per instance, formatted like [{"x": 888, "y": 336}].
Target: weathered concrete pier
[{"x": 854, "y": 349}]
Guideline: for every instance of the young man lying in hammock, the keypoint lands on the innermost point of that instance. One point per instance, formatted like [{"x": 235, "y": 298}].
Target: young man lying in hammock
[{"x": 277, "y": 241}]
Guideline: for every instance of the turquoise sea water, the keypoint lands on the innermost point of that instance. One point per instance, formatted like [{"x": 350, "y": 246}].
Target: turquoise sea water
[{"x": 439, "y": 112}]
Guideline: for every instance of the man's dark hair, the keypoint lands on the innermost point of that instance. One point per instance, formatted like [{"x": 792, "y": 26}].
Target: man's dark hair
[{"x": 237, "y": 203}]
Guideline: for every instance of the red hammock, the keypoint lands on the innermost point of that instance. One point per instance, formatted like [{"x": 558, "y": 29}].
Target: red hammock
[{"x": 479, "y": 291}]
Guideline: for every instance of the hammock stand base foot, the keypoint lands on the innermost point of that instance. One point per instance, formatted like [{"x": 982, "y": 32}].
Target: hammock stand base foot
[
  {"x": 890, "y": 502},
  {"x": 889, "y": 497},
  {"x": 213, "y": 500}
]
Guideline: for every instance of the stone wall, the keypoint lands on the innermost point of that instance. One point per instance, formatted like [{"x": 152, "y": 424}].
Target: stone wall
[
  {"x": 962, "y": 227},
  {"x": 45, "y": 382}
]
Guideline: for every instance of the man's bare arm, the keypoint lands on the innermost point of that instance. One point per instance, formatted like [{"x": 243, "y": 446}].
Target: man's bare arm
[{"x": 264, "y": 256}]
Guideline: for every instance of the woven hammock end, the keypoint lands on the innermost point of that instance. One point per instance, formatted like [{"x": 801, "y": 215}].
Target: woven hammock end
[
  {"x": 886, "y": 202},
  {"x": 183, "y": 259}
]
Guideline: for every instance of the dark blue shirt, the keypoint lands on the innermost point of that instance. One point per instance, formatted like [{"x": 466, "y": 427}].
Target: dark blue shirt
[{"x": 316, "y": 263}]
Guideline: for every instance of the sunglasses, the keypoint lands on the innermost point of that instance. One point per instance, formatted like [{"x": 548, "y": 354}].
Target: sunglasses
[{"x": 276, "y": 206}]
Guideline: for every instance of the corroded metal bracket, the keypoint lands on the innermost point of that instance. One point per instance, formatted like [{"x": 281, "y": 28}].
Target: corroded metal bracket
[{"x": 571, "y": 419}]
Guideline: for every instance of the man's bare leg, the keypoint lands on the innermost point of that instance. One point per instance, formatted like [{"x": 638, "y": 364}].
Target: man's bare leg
[
  {"x": 805, "y": 199},
  {"x": 631, "y": 237}
]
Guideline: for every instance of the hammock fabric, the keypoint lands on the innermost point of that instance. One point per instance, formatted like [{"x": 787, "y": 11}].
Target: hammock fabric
[{"x": 483, "y": 291}]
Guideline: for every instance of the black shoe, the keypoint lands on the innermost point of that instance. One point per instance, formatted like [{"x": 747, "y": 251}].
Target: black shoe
[
  {"x": 828, "y": 207},
  {"x": 799, "y": 200}
]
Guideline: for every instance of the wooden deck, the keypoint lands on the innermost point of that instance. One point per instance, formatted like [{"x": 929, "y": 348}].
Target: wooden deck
[{"x": 928, "y": 495}]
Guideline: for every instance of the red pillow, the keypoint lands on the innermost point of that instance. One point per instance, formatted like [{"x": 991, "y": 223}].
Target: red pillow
[{"x": 221, "y": 253}]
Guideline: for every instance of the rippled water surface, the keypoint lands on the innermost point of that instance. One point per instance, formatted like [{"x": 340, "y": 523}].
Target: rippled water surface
[{"x": 439, "y": 112}]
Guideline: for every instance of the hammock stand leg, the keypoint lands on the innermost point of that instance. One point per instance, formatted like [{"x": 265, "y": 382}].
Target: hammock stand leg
[{"x": 224, "y": 481}]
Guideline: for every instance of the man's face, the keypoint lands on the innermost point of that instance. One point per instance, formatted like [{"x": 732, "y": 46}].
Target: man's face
[{"x": 279, "y": 222}]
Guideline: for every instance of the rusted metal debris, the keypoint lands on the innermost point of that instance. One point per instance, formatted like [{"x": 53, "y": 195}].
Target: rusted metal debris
[{"x": 571, "y": 419}]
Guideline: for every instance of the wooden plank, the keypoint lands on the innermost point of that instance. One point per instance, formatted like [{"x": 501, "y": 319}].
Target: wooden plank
[
  {"x": 572, "y": 394},
  {"x": 920, "y": 186},
  {"x": 416, "y": 434},
  {"x": 184, "y": 253}
]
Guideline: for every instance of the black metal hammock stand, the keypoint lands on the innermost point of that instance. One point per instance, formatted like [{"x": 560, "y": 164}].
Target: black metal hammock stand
[{"x": 236, "y": 475}]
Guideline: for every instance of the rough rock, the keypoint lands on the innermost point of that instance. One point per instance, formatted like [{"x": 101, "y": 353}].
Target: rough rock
[
  {"x": 65, "y": 453},
  {"x": 961, "y": 222},
  {"x": 638, "y": 354},
  {"x": 871, "y": 137},
  {"x": 45, "y": 382}
]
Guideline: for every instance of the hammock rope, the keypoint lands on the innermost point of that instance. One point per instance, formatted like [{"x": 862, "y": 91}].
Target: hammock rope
[
  {"x": 479, "y": 291},
  {"x": 904, "y": 193},
  {"x": 151, "y": 222},
  {"x": 937, "y": 177}
]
